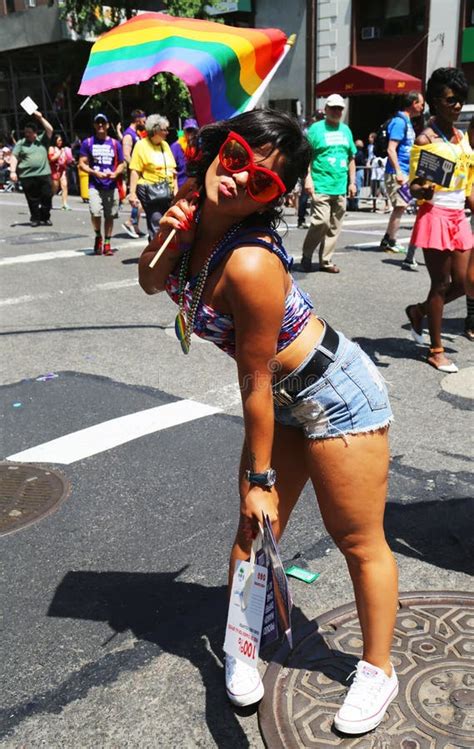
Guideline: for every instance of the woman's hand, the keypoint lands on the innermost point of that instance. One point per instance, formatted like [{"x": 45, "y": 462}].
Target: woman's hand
[
  {"x": 133, "y": 200},
  {"x": 257, "y": 503},
  {"x": 180, "y": 217}
]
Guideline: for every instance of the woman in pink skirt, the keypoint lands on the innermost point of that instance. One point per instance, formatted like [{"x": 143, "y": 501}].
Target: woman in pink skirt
[{"x": 441, "y": 227}]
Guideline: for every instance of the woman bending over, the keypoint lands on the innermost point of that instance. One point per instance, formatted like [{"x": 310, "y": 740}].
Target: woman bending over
[{"x": 314, "y": 405}]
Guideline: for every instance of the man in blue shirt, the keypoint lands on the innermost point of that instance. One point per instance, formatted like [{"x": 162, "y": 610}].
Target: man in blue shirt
[{"x": 401, "y": 137}]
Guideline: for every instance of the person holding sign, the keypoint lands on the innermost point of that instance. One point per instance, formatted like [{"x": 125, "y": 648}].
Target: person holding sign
[
  {"x": 441, "y": 178},
  {"x": 314, "y": 405},
  {"x": 30, "y": 164}
]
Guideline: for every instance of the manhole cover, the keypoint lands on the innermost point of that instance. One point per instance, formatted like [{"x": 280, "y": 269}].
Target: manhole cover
[
  {"x": 433, "y": 654},
  {"x": 36, "y": 237},
  {"x": 27, "y": 494}
]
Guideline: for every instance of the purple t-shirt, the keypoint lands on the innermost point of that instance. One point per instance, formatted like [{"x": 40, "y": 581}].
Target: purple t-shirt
[
  {"x": 103, "y": 156},
  {"x": 180, "y": 158}
]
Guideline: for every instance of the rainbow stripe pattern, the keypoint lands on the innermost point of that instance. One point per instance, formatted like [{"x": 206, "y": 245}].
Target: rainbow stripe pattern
[{"x": 222, "y": 66}]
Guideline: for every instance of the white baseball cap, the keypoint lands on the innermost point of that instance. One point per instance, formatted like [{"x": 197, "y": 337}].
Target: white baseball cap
[{"x": 335, "y": 100}]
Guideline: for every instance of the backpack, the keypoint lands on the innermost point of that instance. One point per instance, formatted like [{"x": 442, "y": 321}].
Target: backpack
[{"x": 381, "y": 138}]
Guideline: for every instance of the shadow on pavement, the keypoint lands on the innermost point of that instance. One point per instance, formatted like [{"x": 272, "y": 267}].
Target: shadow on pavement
[
  {"x": 396, "y": 348},
  {"x": 438, "y": 532},
  {"x": 185, "y": 619}
]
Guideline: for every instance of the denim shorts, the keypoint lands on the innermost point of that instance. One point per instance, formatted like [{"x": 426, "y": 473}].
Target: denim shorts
[{"x": 350, "y": 397}]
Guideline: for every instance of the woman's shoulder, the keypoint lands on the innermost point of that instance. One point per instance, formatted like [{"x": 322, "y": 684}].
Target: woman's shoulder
[
  {"x": 426, "y": 137},
  {"x": 253, "y": 255}
]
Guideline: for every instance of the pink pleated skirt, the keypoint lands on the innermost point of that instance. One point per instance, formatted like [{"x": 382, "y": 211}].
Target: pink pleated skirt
[{"x": 441, "y": 229}]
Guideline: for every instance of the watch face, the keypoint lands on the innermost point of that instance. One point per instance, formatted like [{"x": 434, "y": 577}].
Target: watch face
[
  {"x": 271, "y": 477},
  {"x": 266, "y": 479}
]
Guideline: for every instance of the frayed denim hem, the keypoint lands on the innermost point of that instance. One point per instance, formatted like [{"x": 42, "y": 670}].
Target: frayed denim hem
[{"x": 344, "y": 434}]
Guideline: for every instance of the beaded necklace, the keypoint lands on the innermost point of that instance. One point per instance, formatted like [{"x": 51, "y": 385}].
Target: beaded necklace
[{"x": 184, "y": 323}]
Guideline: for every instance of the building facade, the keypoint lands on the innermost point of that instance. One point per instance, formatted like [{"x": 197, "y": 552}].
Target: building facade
[
  {"x": 413, "y": 36},
  {"x": 43, "y": 57}
]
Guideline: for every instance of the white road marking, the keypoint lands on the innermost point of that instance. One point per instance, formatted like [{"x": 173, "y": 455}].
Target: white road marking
[
  {"x": 109, "y": 286},
  {"x": 109, "y": 434},
  {"x": 408, "y": 222},
  {"x": 39, "y": 256},
  {"x": 23, "y": 299},
  {"x": 62, "y": 254},
  {"x": 361, "y": 245}
]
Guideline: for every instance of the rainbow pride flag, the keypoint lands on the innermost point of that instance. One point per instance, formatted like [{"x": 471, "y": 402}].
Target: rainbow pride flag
[{"x": 222, "y": 66}]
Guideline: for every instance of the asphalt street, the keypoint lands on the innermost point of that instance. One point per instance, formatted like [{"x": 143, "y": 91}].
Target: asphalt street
[{"x": 113, "y": 607}]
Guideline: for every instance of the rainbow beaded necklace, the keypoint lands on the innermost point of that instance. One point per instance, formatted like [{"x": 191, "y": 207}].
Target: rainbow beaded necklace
[{"x": 184, "y": 323}]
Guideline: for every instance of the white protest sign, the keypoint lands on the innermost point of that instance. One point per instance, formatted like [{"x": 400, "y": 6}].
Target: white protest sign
[
  {"x": 29, "y": 105},
  {"x": 246, "y": 607}
]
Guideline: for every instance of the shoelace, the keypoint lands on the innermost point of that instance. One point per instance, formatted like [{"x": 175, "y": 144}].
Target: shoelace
[{"x": 368, "y": 687}]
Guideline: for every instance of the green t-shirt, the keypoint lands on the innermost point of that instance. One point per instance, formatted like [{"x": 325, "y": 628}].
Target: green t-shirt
[
  {"x": 33, "y": 157},
  {"x": 333, "y": 147}
]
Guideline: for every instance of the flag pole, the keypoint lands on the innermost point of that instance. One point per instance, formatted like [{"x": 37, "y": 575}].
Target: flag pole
[{"x": 257, "y": 95}]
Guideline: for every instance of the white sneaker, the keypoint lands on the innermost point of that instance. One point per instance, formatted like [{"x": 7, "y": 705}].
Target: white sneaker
[
  {"x": 131, "y": 231},
  {"x": 367, "y": 700},
  {"x": 243, "y": 683}
]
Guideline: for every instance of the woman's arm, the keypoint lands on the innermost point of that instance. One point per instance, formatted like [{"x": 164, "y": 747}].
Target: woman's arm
[
  {"x": 255, "y": 292},
  {"x": 420, "y": 188},
  {"x": 13, "y": 166},
  {"x": 53, "y": 153},
  {"x": 132, "y": 197}
]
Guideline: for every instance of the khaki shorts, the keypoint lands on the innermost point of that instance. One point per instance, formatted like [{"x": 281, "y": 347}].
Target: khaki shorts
[
  {"x": 391, "y": 185},
  {"x": 103, "y": 203}
]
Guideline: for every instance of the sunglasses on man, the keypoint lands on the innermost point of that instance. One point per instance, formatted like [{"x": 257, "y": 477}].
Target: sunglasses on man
[{"x": 263, "y": 185}]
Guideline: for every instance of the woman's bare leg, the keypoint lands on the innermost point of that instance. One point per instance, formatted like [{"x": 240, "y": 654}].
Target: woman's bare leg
[
  {"x": 64, "y": 188},
  {"x": 447, "y": 274},
  {"x": 351, "y": 487},
  {"x": 289, "y": 461}
]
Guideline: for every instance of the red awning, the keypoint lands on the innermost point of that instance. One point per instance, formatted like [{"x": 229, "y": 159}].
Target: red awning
[{"x": 359, "y": 79}]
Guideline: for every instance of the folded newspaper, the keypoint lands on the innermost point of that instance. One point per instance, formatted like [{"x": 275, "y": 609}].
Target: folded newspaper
[{"x": 278, "y": 603}]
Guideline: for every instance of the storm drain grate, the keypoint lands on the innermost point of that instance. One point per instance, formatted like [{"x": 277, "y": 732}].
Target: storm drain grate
[
  {"x": 432, "y": 653},
  {"x": 28, "y": 493}
]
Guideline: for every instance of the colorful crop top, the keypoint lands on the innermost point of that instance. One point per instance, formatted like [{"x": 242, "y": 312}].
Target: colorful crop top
[{"x": 218, "y": 327}]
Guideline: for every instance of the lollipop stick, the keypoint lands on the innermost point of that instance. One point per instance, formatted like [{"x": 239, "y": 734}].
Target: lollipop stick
[{"x": 163, "y": 247}]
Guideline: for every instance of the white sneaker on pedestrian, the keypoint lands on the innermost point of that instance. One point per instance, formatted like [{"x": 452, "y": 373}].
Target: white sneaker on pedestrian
[
  {"x": 131, "y": 231},
  {"x": 243, "y": 683},
  {"x": 409, "y": 264},
  {"x": 367, "y": 700}
]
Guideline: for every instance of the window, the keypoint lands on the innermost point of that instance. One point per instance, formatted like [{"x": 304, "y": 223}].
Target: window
[{"x": 392, "y": 17}]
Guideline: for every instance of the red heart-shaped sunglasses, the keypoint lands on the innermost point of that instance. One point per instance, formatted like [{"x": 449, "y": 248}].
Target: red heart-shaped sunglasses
[{"x": 235, "y": 155}]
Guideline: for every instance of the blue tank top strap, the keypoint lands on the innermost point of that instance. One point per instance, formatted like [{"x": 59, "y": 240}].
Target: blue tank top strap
[{"x": 248, "y": 236}]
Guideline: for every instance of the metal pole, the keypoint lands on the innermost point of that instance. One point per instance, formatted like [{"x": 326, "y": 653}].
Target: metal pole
[
  {"x": 14, "y": 98},
  {"x": 256, "y": 96},
  {"x": 44, "y": 105},
  {"x": 311, "y": 11}
]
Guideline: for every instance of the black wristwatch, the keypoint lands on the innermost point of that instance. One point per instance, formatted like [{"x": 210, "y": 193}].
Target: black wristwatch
[{"x": 266, "y": 479}]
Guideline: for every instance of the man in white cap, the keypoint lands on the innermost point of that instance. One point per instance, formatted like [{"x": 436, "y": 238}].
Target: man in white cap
[{"x": 332, "y": 166}]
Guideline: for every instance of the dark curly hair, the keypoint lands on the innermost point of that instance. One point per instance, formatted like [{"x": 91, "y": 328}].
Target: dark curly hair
[
  {"x": 442, "y": 78},
  {"x": 259, "y": 127}
]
